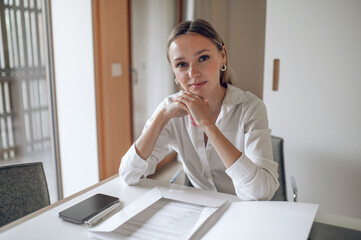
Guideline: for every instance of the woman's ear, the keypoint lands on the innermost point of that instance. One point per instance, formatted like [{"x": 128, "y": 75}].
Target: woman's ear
[{"x": 224, "y": 55}]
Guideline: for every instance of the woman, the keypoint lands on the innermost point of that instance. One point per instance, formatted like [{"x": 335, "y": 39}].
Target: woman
[{"x": 220, "y": 133}]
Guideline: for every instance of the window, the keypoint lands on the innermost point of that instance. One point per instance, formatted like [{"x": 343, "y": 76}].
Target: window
[{"x": 26, "y": 133}]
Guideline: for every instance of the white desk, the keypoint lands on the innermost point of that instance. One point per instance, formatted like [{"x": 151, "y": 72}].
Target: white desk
[{"x": 47, "y": 224}]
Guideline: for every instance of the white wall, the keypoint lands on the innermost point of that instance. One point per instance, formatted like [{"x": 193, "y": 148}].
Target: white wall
[
  {"x": 75, "y": 93},
  {"x": 317, "y": 109}
]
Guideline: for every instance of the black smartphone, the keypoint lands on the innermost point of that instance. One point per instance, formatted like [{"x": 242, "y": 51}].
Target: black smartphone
[{"x": 88, "y": 208}]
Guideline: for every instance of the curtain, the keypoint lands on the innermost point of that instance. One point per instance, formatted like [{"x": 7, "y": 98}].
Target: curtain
[{"x": 153, "y": 80}]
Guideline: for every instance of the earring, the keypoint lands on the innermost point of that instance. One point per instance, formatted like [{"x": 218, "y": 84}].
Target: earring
[
  {"x": 176, "y": 81},
  {"x": 224, "y": 68}
]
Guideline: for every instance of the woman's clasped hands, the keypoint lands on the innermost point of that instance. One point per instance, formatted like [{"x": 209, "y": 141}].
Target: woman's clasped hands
[{"x": 195, "y": 106}]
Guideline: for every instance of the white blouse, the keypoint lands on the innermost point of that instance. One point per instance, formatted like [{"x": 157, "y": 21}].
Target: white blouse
[{"x": 243, "y": 121}]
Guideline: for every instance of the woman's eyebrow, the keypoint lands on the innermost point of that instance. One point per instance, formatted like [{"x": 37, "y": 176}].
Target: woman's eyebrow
[
  {"x": 195, "y": 54},
  {"x": 178, "y": 59},
  {"x": 200, "y": 52}
]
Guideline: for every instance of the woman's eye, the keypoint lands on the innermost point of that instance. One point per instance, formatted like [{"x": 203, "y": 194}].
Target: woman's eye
[
  {"x": 181, "y": 65},
  {"x": 203, "y": 58}
]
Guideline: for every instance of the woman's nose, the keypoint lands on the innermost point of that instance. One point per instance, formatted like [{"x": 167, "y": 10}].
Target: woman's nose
[{"x": 194, "y": 72}]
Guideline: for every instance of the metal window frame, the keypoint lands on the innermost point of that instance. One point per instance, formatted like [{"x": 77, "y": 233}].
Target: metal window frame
[{"x": 47, "y": 72}]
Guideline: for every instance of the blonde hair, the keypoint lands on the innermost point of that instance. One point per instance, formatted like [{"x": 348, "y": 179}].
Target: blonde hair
[{"x": 204, "y": 29}]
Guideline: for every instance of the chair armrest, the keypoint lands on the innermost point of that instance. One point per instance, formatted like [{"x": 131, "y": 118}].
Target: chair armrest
[
  {"x": 294, "y": 189},
  {"x": 176, "y": 175}
]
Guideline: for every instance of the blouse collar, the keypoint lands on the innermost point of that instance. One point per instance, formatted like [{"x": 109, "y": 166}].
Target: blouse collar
[{"x": 233, "y": 97}]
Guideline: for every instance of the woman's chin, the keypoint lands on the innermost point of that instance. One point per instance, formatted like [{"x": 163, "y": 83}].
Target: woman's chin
[{"x": 198, "y": 92}]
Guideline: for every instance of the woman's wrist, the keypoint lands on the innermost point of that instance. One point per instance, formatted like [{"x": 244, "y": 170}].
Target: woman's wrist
[
  {"x": 163, "y": 117},
  {"x": 145, "y": 143},
  {"x": 208, "y": 128}
]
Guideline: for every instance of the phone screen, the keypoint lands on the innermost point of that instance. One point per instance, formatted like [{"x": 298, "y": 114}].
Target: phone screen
[{"x": 88, "y": 208}]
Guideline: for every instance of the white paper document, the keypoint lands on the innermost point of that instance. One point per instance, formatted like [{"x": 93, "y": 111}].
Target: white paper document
[
  {"x": 167, "y": 214},
  {"x": 165, "y": 219}
]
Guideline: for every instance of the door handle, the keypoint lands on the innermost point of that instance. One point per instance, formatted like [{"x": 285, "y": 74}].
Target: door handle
[
  {"x": 134, "y": 75},
  {"x": 276, "y": 74}
]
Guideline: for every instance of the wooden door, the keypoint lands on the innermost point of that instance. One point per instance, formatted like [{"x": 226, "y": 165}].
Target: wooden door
[{"x": 111, "y": 27}]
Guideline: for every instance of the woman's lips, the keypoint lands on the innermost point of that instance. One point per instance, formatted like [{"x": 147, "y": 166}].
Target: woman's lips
[{"x": 198, "y": 84}]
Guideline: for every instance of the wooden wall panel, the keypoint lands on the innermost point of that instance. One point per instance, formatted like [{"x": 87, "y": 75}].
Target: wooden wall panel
[{"x": 111, "y": 26}]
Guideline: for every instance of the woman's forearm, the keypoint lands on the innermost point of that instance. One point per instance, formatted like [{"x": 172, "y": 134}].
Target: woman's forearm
[
  {"x": 225, "y": 149},
  {"x": 146, "y": 142}
]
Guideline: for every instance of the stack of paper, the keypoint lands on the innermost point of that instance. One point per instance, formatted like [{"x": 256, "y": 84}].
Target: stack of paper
[{"x": 162, "y": 214}]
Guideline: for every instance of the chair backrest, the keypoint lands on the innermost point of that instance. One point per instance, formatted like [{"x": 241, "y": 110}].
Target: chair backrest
[
  {"x": 23, "y": 190},
  {"x": 277, "y": 147}
]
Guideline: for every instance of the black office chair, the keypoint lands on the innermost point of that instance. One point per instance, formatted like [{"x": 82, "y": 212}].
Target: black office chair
[
  {"x": 23, "y": 190},
  {"x": 281, "y": 193},
  {"x": 277, "y": 148}
]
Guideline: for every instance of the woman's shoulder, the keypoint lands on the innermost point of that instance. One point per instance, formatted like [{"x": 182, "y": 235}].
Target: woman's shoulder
[
  {"x": 249, "y": 105},
  {"x": 235, "y": 95}
]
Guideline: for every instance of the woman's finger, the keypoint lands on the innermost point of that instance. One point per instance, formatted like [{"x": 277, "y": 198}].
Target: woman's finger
[
  {"x": 189, "y": 99},
  {"x": 184, "y": 107}
]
